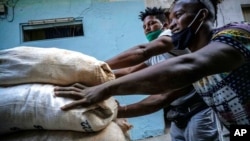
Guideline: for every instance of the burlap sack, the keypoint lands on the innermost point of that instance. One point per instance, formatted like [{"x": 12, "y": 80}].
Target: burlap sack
[
  {"x": 51, "y": 65},
  {"x": 111, "y": 133},
  {"x": 33, "y": 106}
]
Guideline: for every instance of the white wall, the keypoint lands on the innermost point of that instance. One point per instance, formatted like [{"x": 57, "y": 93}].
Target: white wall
[{"x": 230, "y": 11}]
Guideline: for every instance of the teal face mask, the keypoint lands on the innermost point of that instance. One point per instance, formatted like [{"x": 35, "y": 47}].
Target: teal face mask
[{"x": 153, "y": 35}]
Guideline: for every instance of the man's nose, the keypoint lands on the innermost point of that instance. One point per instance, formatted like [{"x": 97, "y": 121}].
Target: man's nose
[
  {"x": 172, "y": 24},
  {"x": 147, "y": 29}
]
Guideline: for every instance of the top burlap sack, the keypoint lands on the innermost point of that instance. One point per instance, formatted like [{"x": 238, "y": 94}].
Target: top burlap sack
[{"x": 51, "y": 65}]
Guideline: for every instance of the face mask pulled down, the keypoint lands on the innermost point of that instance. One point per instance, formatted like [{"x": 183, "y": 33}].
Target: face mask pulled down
[
  {"x": 182, "y": 39},
  {"x": 153, "y": 35}
]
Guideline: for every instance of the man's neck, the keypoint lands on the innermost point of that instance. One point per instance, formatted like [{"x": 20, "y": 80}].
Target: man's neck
[{"x": 202, "y": 38}]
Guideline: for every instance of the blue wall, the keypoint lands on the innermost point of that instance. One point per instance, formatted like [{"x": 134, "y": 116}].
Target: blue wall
[{"x": 110, "y": 27}]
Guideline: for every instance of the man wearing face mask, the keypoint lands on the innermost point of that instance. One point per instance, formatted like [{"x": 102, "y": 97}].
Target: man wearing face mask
[
  {"x": 155, "y": 25},
  {"x": 191, "y": 119},
  {"x": 182, "y": 39}
]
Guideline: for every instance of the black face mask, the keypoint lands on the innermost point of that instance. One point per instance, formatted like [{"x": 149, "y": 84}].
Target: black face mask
[{"x": 182, "y": 39}]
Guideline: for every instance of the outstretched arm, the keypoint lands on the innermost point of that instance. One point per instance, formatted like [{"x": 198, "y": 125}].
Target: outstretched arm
[
  {"x": 124, "y": 71},
  {"x": 151, "y": 104},
  {"x": 148, "y": 105},
  {"x": 178, "y": 72},
  {"x": 172, "y": 74},
  {"x": 140, "y": 53}
]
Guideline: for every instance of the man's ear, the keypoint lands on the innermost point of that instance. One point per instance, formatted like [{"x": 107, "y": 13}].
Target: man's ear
[{"x": 204, "y": 14}]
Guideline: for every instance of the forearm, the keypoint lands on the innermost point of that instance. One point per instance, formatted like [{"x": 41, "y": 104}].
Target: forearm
[
  {"x": 152, "y": 103},
  {"x": 155, "y": 79},
  {"x": 120, "y": 72},
  {"x": 146, "y": 106},
  {"x": 128, "y": 58},
  {"x": 124, "y": 71},
  {"x": 141, "y": 53},
  {"x": 131, "y": 111}
]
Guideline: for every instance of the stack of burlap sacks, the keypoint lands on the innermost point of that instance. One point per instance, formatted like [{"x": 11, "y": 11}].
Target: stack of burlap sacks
[{"x": 27, "y": 79}]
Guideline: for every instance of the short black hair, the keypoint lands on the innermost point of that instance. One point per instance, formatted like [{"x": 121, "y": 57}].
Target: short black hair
[
  {"x": 215, "y": 4},
  {"x": 210, "y": 5},
  {"x": 213, "y": 9},
  {"x": 159, "y": 13}
]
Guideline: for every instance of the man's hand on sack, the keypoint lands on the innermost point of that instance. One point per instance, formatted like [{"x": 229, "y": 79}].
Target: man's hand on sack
[{"x": 84, "y": 96}]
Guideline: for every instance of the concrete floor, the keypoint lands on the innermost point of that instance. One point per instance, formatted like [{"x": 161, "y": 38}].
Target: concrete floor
[{"x": 165, "y": 137}]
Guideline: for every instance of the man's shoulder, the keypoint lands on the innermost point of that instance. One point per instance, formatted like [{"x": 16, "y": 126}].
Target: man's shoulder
[
  {"x": 241, "y": 25},
  {"x": 166, "y": 32}
]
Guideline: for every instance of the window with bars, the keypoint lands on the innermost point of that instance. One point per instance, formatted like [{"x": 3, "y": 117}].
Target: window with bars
[
  {"x": 246, "y": 12},
  {"x": 51, "y": 29}
]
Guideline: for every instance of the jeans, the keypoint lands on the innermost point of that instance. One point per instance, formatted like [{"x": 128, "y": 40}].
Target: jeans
[{"x": 201, "y": 127}]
